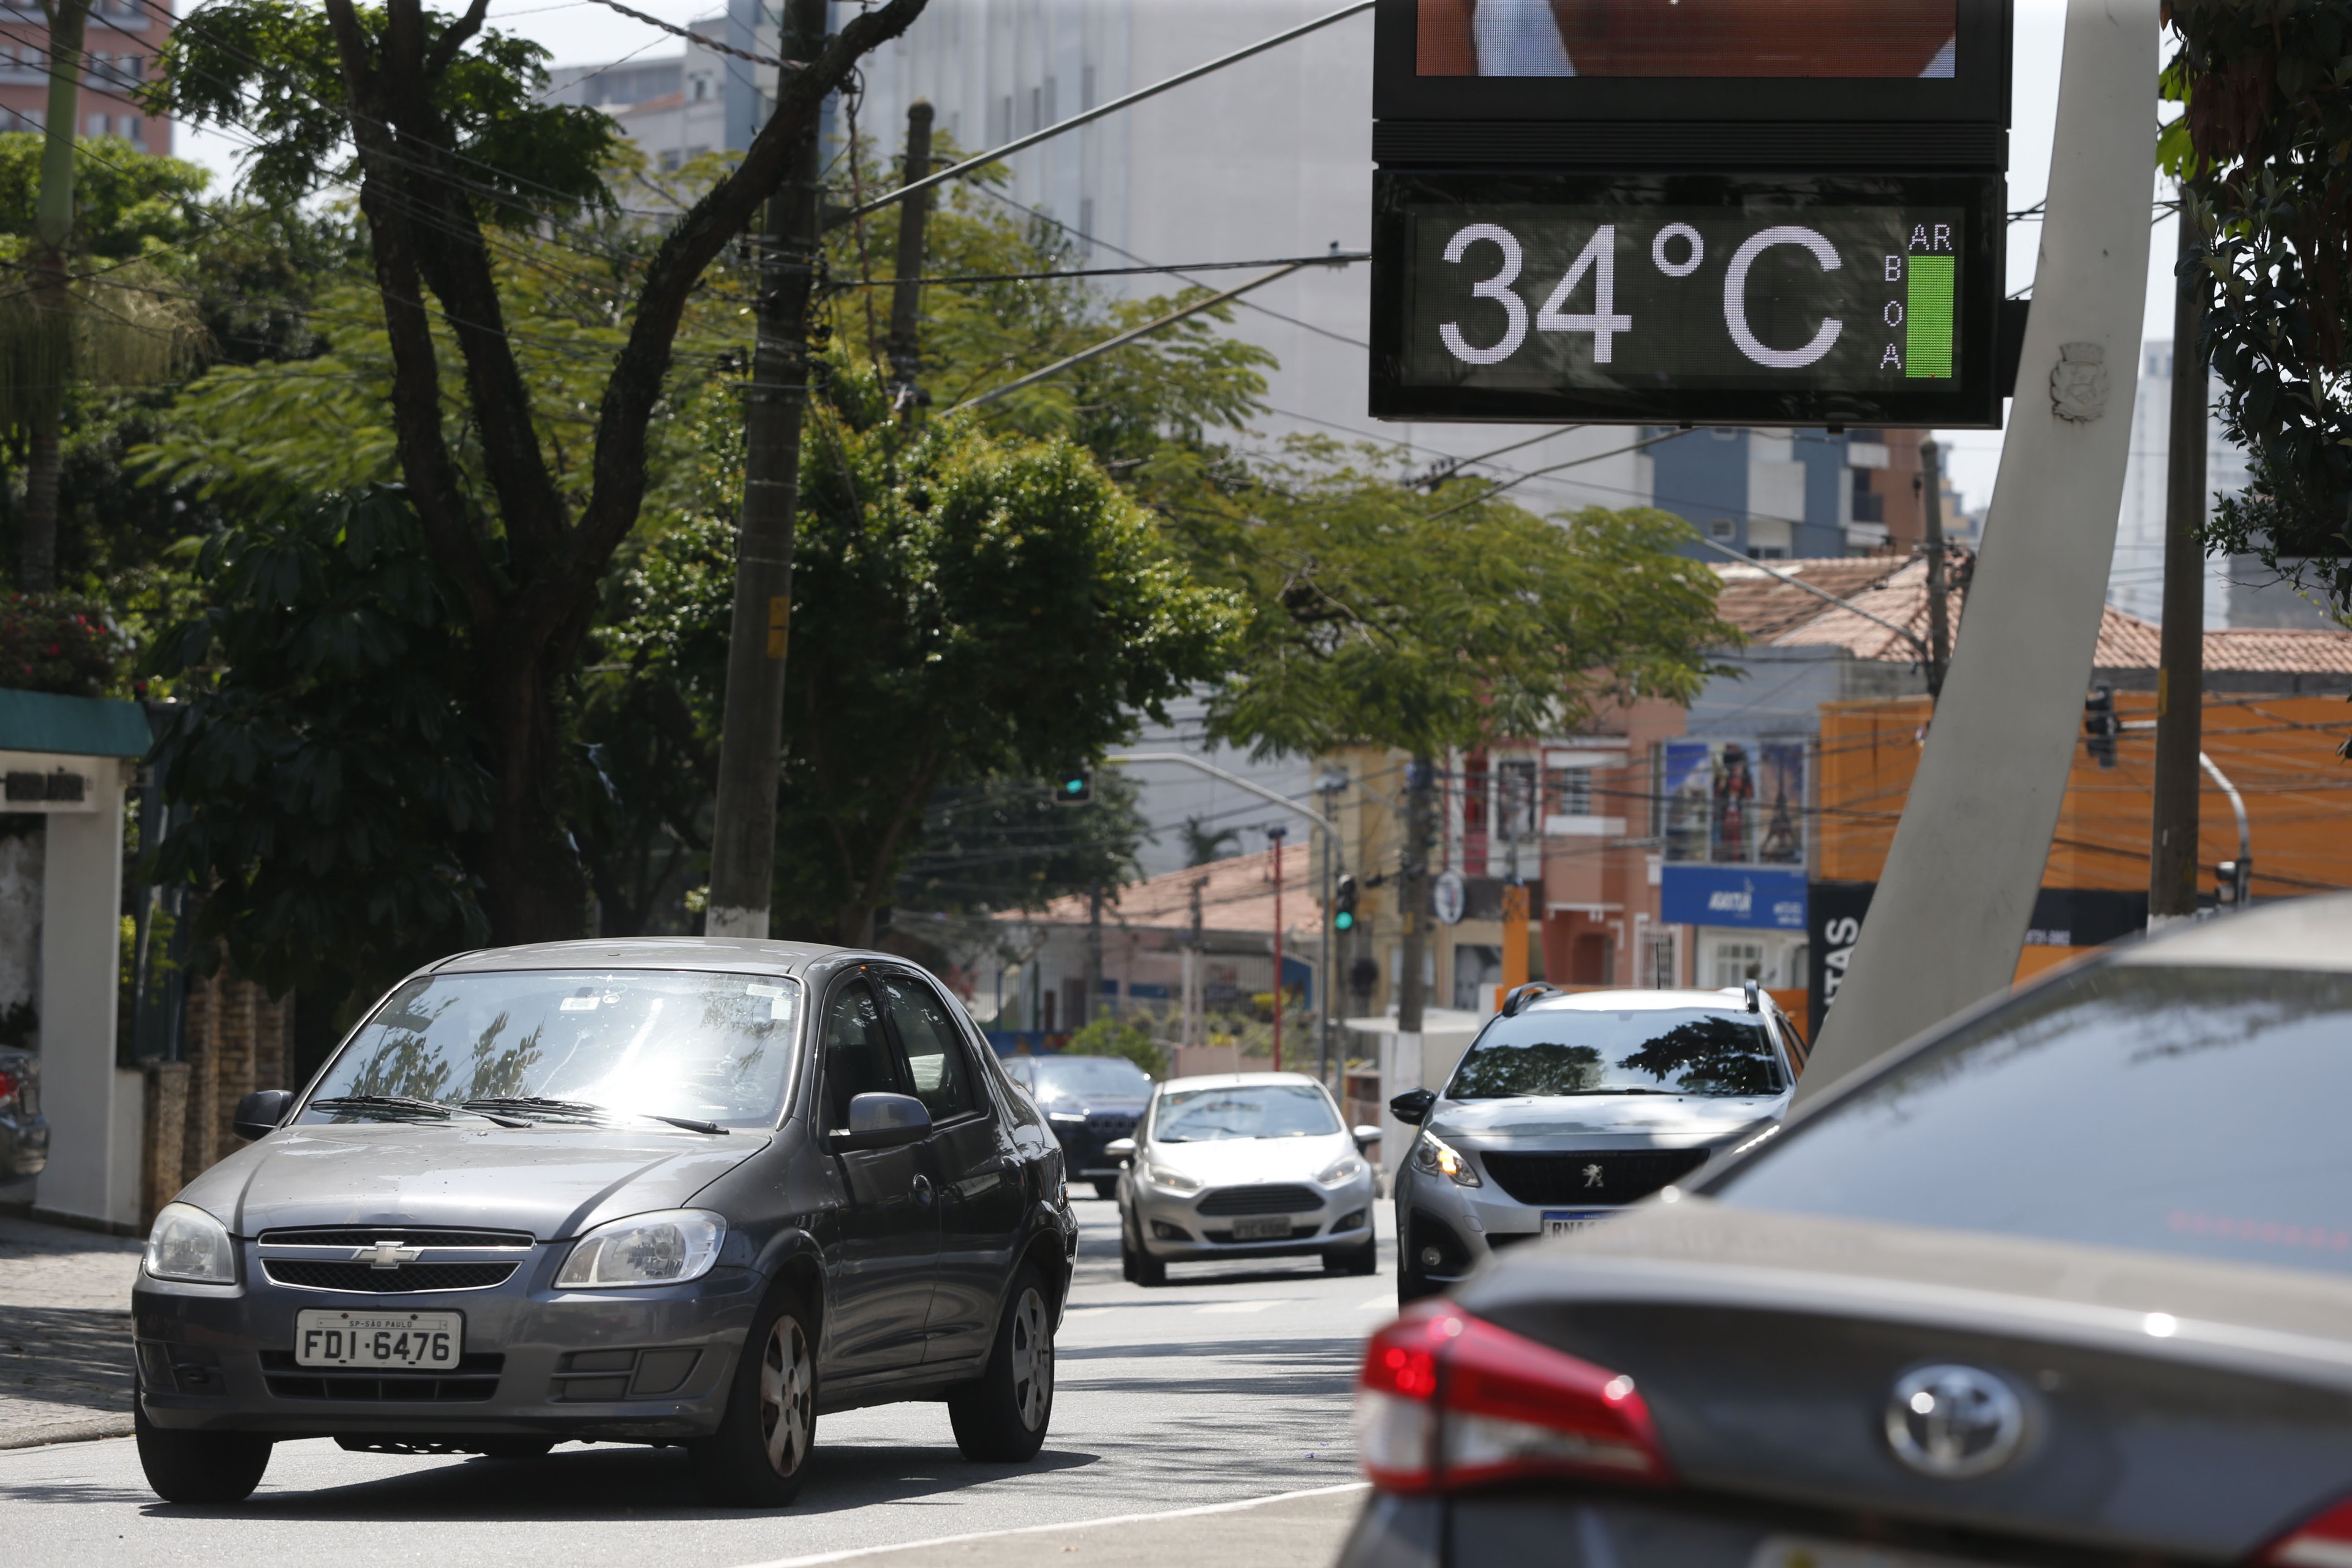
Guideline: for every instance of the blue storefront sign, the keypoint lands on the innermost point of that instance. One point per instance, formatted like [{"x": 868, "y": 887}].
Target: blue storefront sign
[{"x": 1732, "y": 896}]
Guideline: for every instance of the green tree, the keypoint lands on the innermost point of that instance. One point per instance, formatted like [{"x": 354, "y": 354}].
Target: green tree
[
  {"x": 442, "y": 126},
  {"x": 1105, "y": 1035},
  {"x": 1004, "y": 843},
  {"x": 2265, "y": 146}
]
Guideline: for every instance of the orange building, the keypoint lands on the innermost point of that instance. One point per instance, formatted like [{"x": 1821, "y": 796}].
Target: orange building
[{"x": 119, "y": 43}]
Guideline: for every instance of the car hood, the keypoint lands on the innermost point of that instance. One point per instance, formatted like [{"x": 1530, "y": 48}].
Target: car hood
[
  {"x": 1642, "y": 1118},
  {"x": 551, "y": 1182},
  {"x": 1231, "y": 1161}
]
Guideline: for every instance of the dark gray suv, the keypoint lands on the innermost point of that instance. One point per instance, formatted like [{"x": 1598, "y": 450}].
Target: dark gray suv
[{"x": 690, "y": 1191}]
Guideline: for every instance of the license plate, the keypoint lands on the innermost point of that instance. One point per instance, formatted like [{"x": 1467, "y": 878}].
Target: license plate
[
  {"x": 1794, "y": 1552},
  {"x": 1263, "y": 1228},
  {"x": 1568, "y": 1222},
  {"x": 415, "y": 1342}
]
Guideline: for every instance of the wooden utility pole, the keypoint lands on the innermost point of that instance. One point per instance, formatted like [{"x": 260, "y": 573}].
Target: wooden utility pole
[
  {"x": 1276, "y": 835},
  {"x": 2180, "y": 666},
  {"x": 751, "y": 739},
  {"x": 1939, "y": 618},
  {"x": 906, "y": 293},
  {"x": 1412, "y": 891}
]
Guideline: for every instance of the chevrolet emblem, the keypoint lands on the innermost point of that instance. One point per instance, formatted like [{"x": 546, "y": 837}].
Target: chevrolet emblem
[{"x": 387, "y": 1255}]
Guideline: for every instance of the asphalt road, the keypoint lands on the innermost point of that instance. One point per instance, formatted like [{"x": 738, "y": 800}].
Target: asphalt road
[{"x": 1228, "y": 1386}]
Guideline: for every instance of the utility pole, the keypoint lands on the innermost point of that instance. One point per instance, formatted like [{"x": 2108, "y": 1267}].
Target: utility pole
[
  {"x": 1084, "y": 1009},
  {"x": 1276, "y": 835},
  {"x": 1939, "y": 618},
  {"x": 1327, "y": 1025},
  {"x": 2180, "y": 657},
  {"x": 906, "y": 293},
  {"x": 1412, "y": 895},
  {"x": 750, "y": 737},
  {"x": 1193, "y": 957}
]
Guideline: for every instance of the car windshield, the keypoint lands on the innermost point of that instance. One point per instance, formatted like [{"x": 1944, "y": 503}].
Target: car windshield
[
  {"x": 1104, "y": 1075},
  {"x": 2194, "y": 1111},
  {"x": 658, "y": 1042},
  {"x": 1243, "y": 1110},
  {"x": 1659, "y": 1051}
]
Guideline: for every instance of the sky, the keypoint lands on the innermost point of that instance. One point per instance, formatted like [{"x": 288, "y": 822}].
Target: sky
[{"x": 583, "y": 31}]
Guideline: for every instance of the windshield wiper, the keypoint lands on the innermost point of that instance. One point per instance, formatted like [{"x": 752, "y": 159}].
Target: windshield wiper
[
  {"x": 407, "y": 1102},
  {"x": 587, "y": 1110}
]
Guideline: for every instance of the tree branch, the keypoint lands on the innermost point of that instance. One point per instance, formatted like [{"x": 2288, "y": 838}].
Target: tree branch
[{"x": 456, "y": 38}]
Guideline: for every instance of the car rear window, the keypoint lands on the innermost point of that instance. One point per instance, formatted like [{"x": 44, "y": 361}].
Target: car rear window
[
  {"x": 1549, "y": 1051},
  {"x": 2182, "y": 1110}
]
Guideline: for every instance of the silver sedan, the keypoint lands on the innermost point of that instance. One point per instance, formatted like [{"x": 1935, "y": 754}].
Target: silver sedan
[{"x": 1244, "y": 1165}]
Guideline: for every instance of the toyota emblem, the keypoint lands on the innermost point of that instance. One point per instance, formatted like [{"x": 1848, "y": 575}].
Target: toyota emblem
[{"x": 1953, "y": 1421}]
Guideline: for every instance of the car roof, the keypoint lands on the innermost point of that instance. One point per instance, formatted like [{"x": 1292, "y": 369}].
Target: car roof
[
  {"x": 1629, "y": 1001},
  {"x": 735, "y": 954},
  {"x": 1234, "y": 1081},
  {"x": 2314, "y": 932}
]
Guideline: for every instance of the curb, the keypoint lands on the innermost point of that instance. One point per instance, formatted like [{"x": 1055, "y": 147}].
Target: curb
[{"x": 64, "y": 1431}]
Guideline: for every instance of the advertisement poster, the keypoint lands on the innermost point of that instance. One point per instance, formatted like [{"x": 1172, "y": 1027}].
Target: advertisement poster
[
  {"x": 1689, "y": 789},
  {"x": 1686, "y": 37},
  {"x": 1780, "y": 797}
]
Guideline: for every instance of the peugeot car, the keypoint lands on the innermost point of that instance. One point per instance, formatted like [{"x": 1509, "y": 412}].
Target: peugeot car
[
  {"x": 2068, "y": 1281},
  {"x": 1567, "y": 1107},
  {"x": 1091, "y": 1103},
  {"x": 689, "y": 1192},
  {"x": 1244, "y": 1165}
]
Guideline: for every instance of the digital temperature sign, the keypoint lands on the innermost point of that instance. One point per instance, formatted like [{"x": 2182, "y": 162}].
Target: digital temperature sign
[{"x": 1685, "y": 298}]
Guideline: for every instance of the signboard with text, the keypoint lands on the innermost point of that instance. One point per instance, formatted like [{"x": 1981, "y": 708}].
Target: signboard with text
[{"x": 1746, "y": 895}]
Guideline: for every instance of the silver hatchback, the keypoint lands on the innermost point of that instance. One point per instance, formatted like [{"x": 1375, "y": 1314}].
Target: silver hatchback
[{"x": 1567, "y": 1107}]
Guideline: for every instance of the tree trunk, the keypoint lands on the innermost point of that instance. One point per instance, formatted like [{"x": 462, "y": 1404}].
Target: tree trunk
[
  {"x": 1412, "y": 891},
  {"x": 534, "y": 887},
  {"x": 53, "y": 303}
]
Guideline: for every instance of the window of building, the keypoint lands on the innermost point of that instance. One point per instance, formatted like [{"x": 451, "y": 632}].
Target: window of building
[
  {"x": 1086, "y": 88},
  {"x": 1571, "y": 792},
  {"x": 1868, "y": 507},
  {"x": 1735, "y": 962},
  {"x": 1722, "y": 527}
]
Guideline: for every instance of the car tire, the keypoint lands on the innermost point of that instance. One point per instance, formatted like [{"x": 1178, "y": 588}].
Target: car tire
[
  {"x": 1139, "y": 1265},
  {"x": 1106, "y": 1189},
  {"x": 759, "y": 1455},
  {"x": 198, "y": 1468},
  {"x": 1001, "y": 1416},
  {"x": 1364, "y": 1259}
]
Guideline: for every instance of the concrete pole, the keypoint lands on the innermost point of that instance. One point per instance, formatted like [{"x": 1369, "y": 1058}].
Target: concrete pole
[
  {"x": 1931, "y": 513},
  {"x": 1948, "y": 921},
  {"x": 2180, "y": 655},
  {"x": 1277, "y": 833},
  {"x": 906, "y": 294}
]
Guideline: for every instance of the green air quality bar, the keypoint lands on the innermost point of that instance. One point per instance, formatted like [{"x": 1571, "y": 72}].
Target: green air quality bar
[{"x": 1927, "y": 317}]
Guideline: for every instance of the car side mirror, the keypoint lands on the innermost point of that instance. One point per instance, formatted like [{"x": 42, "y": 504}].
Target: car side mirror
[
  {"x": 882, "y": 1121},
  {"x": 1365, "y": 1136},
  {"x": 1120, "y": 1149},
  {"x": 1412, "y": 1106},
  {"x": 258, "y": 1113}
]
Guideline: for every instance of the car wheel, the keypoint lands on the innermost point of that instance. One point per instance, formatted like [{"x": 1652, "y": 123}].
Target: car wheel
[
  {"x": 198, "y": 1467},
  {"x": 1105, "y": 1189},
  {"x": 759, "y": 1455},
  {"x": 1364, "y": 1259},
  {"x": 1126, "y": 1253},
  {"x": 1137, "y": 1263},
  {"x": 1001, "y": 1416}
]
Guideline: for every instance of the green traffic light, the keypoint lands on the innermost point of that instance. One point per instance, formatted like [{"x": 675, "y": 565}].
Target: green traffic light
[
  {"x": 1344, "y": 921},
  {"x": 1073, "y": 786}
]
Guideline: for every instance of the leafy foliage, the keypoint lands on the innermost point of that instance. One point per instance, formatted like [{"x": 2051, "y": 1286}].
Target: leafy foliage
[
  {"x": 337, "y": 769},
  {"x": 58, "y": 643},
  {"x": 1384, "y": 616},
  {"x": 1004, "y": 844},
  {"x": 1107, "y": 1035},
  {"x": 2267, "y": 152}
]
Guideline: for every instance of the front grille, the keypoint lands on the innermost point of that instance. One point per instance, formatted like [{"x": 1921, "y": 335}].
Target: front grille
[
  {"x": 475, "y": 1377},
  {"x": 407, "y": 1278},
  {"x": 1110, "y": 1123},
  {"x": 1297, "y": 1233},
  {"x": 1588, "y": 1177},
  {"x": 405, "y": 1235},
  {"x": 1261, "y": 1200}
]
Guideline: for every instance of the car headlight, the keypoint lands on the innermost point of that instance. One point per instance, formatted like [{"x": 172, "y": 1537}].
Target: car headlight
[
  {"x": 1065, "y": 1115},
  {"x": 1175, "y": 1181},
  {"x": 1346, "y": 1168},
  {"x": 668, "y": 1246},
  {"x": 1439, "y": 1158},
  {"x": 188, "y": 1244}
]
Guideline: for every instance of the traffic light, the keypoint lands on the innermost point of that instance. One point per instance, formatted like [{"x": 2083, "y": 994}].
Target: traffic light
[
  {"x": 2234, "y": 884},
  {"x": 2100, "y": 723},
  {"x": 1076, "y": 787},
  {"x": 1343, "y": 903}
]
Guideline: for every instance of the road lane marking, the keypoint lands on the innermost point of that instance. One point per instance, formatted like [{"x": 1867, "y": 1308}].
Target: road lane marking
[
  {"x": 1083, "y": 1312},
  {"x": 1245, "y": 1306},
  {"x": 1379, "y": 1304},
  {"x": 1194, "y": 1513}
]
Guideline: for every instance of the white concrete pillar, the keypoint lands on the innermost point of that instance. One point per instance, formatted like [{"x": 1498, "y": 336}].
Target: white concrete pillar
[{"x": 93, "y": 1108}]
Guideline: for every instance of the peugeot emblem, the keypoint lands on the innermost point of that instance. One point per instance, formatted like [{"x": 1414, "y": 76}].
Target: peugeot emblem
[
  {"x": 1591, "y": 1175},
  {"x": 1953, "y": 1421}
]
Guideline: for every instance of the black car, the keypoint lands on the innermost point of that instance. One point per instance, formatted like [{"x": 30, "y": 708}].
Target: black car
[
  {"x": 673, "y": 1192},
  {"x": 1091, "y": 1103},
  {"x": 2066, "y": 1281}
]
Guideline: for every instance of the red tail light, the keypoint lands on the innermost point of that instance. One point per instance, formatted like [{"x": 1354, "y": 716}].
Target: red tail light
[
  {"x": 8, "y": 1086},
  {"x": 2325, "y": 1542},
  {"x": 1447, "y": 1400}
]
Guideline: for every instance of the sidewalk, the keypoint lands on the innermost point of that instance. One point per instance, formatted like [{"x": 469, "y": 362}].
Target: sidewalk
[{"x": 65, "y": 1333}]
